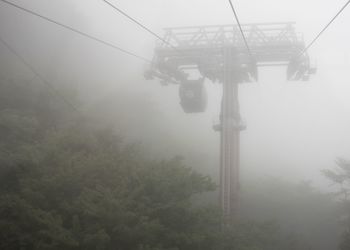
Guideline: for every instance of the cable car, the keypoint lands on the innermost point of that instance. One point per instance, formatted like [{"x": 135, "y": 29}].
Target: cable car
[{"x": 193, "y": 96}]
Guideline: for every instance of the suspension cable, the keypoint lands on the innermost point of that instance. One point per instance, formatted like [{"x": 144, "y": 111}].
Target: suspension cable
[
  {"x": 324, "y": 29},
  {"x": 77, "y": 31},
  {"x": 53, "y": 90},
  {"x": 240, "y": 28}
]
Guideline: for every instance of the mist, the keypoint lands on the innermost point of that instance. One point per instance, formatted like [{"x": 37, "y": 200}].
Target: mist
[{"x": 295, "y": 129}]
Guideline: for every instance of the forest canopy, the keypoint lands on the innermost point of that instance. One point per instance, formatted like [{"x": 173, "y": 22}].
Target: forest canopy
[{"x": 67, "y": 184}]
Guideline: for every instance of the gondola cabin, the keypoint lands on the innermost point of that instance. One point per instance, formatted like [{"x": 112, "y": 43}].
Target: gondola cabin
[{"x": 193, "y": 96}]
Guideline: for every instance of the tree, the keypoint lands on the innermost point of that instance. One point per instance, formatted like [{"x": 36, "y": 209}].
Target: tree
[
  {"x": 340, "y": 176},
  {"x": 105, "y": 195},
  {"x": 74, "y": 187}
]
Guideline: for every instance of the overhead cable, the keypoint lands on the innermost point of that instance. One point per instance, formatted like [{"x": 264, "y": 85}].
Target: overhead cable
[
  {"x": 53, "y": 90},
  {"x": 325, "y": 28},
  {"x": 139, "y": 24},
  {"x": 240, "y": 28},
  {"x": 77, "y": 31}
]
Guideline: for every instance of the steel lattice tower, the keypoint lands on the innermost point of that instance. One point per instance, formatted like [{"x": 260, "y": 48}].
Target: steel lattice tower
[{"x": 219, "y": 54}]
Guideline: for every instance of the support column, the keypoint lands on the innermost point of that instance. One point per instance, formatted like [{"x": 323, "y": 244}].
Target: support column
[{"x": 230, "y": 137}]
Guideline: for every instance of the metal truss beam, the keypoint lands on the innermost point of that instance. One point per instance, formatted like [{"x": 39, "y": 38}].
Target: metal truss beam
[{"x": 201, "y": 48}]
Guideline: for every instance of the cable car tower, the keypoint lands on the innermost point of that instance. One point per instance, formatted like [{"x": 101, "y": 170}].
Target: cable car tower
[{"x": 219, "y": 54}]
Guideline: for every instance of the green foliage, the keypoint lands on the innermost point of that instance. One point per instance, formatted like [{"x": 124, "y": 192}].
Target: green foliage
[
  {"x": 250, "y": 236},
  {"x": 340, "y": 176},
  {"x": 23, "y": 226},
  {"x": 75, "y": 187},
  {"x": 100, "y": 194},
  {"x": 307, "y": 217}
]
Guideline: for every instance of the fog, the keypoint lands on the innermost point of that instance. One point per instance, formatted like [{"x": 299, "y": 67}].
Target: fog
[{"x": 294, "y": 129}]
